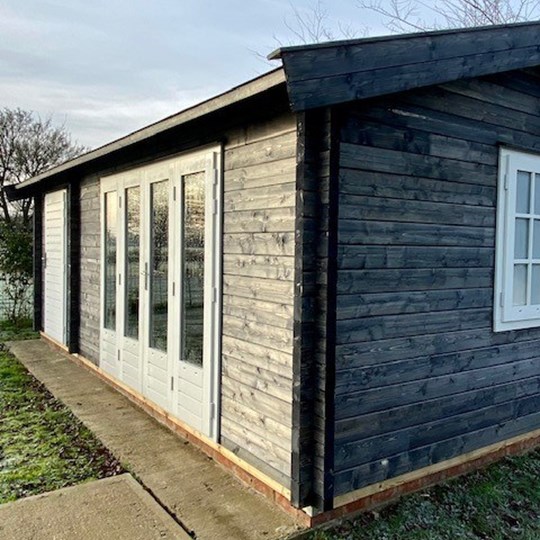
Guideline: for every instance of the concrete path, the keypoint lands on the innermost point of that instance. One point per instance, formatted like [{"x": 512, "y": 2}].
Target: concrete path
[
  {"x": 199, "y": 493},
  {"x": 115, "y": 507}
]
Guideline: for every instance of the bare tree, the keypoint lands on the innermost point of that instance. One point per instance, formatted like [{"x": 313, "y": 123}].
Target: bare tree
[
  {"x": 313, "y": 24},
  {"x": 28, "y": 146},
  {"x": 418, "y": 15}
]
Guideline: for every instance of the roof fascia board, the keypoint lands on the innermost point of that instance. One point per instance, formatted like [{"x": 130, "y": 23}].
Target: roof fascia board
[
  {"x": 360, "y": 69},
  {"x": 278, "y": 53}
]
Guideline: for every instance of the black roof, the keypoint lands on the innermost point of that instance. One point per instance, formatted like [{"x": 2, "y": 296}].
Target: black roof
[{"x": 340, "y": 71}]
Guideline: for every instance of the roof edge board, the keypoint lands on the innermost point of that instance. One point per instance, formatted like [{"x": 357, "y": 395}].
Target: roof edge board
[
  {"x": 238, "y": 93},
  {"x": 277, "y": 54}
]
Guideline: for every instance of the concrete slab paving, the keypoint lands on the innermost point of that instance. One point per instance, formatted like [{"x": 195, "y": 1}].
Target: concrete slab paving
[
  {"x": 204, "y": 497},
  {"x": 114, "y": 508}
]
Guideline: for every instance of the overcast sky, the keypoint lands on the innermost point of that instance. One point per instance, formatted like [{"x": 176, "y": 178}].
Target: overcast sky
[{"x": 104, "y": 68}]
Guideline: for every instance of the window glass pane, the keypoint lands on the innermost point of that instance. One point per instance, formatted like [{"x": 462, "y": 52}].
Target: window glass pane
[
  {"x": 536, "y": 239},
  {"x": 535, "y": 284},
  {"x": 110, "y": 260},
  {"x": 523, "y": 192},
  {"x": 520, "y": 284},
  {"x": 521, "y": 246},
  {"x": 537, "y": 194},
  {"x": 133, "y": 237},
  {"x": 159, "y": 263},
  {"x": 193, "y": 267}
]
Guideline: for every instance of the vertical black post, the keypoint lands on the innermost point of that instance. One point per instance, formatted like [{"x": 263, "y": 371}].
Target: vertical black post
[
  {"x": 38, "y": 262},
  {"x": 331, "y": 318},
  {"x": 74, "y": 266},
  {"x": 308, "y": 364}
]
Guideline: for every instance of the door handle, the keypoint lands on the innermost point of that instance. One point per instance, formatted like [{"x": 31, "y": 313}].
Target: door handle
[{"x": 145, "y": 274}]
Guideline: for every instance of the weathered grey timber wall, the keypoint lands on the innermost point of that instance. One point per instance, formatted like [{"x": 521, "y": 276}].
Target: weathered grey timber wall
[
  {"x": 258, "y": 293},
  {"x": 90, "y": 268},
  {"x": 420, "y": 375}
]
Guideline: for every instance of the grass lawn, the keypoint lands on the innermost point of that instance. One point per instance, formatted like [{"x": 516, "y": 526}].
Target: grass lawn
[
  {"x": 42, "y": 445},
  {"x": 500, "y": 502},
  {"x": 15, "y": 331}
]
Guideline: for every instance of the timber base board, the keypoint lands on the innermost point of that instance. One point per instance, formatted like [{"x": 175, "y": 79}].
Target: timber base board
[
  {"x": 345, "y": 506},
  {"x": 383, "y": 493}
]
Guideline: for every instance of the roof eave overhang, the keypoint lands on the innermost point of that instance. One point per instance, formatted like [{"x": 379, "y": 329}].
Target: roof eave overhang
[{"x": 235, "y": 95}]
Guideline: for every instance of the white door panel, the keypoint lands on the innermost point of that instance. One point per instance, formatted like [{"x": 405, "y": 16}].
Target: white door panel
[{"x": 55, "y": 266}]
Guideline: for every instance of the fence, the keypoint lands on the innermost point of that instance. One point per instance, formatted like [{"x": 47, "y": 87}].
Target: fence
[{"x": 6, "y": 304}]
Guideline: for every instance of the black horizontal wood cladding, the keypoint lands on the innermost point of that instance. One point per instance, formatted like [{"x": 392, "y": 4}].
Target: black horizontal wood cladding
[
  {"x": 336, "y": 74},
  {"x": 364, "y": 305},
  {"x": 397, "y": 464},
  {"x": 420, "y": 375},
  {"x": 361, "y": 257},
  {"x": 392, "y": 420},
  {"x": 449, "y": 115},
  {"x": 399, "y": 186}
]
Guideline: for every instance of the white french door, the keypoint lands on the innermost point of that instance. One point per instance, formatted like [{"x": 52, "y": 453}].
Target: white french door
[{"x": 160, "y": 284}]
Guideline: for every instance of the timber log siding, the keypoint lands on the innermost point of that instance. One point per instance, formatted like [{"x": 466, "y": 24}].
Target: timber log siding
[
  {"x": 420, "y": 375},
  {"x": 258, "y": 294},
  {"x": 90, "y": 269}
]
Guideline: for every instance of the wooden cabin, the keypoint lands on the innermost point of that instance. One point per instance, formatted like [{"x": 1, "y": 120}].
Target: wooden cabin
[{"x": 328, "y": 277}]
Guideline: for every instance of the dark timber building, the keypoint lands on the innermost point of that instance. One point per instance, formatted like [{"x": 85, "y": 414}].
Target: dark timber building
[{"x": 329, "y": 277}]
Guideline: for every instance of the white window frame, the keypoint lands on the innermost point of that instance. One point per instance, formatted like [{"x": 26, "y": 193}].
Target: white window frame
[{"x": 506, "y": 316}]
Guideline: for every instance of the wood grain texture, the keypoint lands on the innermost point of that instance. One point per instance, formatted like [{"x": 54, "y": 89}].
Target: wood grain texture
[
  {"x": 90, "y": 253},
  {"x": 258, "y": 292},
  {"x": 420, "y": 375},
  {"x": 356, "y": 70}
]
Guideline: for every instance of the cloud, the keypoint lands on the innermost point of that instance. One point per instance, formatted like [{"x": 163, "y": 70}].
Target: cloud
[{"x": 105, "y": 68}]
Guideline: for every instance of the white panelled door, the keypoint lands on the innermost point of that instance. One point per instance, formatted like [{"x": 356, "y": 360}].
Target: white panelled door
[
  {"x": 161, "y": 268},
  {"x": 55, "y": 266}
]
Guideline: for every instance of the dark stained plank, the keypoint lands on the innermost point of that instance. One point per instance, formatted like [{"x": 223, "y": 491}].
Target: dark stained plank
[
  {"x": 367, "y": 401},
  {"x": 312, "y": 62},
  {"x": 387, "y": 257},
  {"x": 396, "y": 210},
  {"x": 360, "y": 130},
  {"x": 425, "y": 367},
  {"x": 393, "y": 419},
  {"x": 371, "y": 281},
  {"x": 351, "y": 479},
  {"x": 400, "y": 186},
  {"x": 391, "y": 350},
  {"x": 331, "y": 90},
  {"x": 357, "y": 232},
  {"x": 356, "y": 306},
  {"x": 407, "y": 325},
  {"x": 408, "y": 439},
  {"x": 368, "y": 158}
]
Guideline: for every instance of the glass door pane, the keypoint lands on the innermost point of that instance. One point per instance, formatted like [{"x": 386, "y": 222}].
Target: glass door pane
[
  {"x": 159, "y": 264},
  {"x": 133, "y": 239},
  {"x": 192, "y": 260},
  {"x": 111, "y": 205}
]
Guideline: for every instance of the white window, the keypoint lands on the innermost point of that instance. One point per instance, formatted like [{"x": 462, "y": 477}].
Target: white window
[{"x": 517, "y": 268}]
